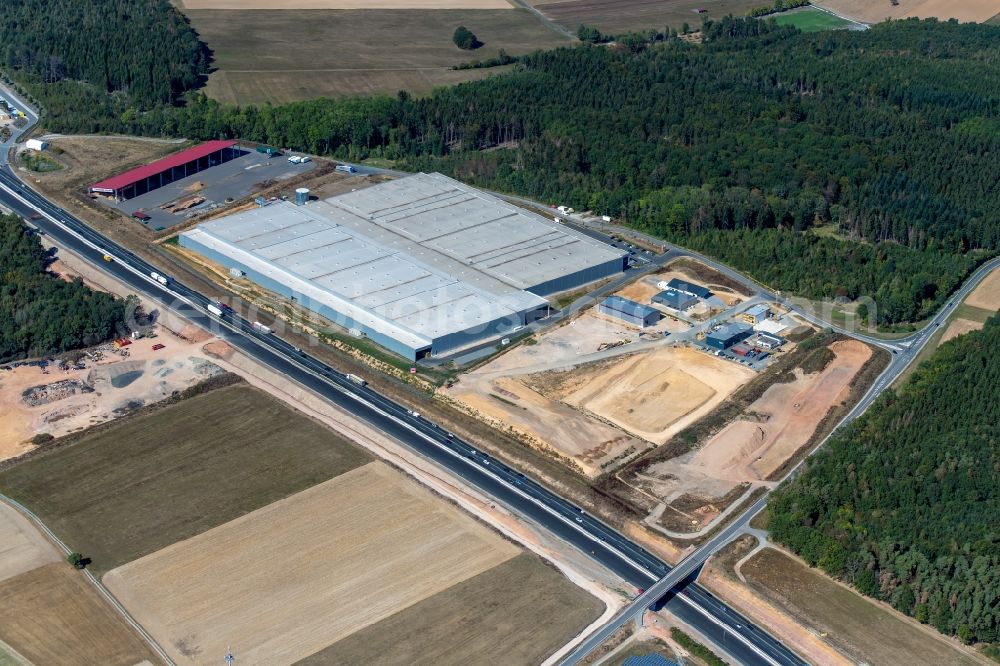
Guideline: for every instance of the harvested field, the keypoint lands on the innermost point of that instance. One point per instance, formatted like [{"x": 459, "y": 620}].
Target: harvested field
[
  {"x": 960, "y": 327},
  {"x": 59, "y": 402},
  {"x": 987, "y": 294},
  {"x": 335, "y": 558},
  {"x": 873, "y": 12},
  {"x": 53, "y": 616},
  {"x": 617, "y": 16},
  {"x": 344, "y": 4},
  {"x": 652, "y": 395},
  {"x": 518, "y": 612},
  {"x": 866, "y": 631},
  {"x": 183, "y": 468},
  {"x": 22, "y": 546},
  {"x": 280, "y": 56}
]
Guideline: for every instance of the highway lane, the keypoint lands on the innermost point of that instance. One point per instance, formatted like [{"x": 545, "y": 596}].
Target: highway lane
[{"x": 510, "y": 488}]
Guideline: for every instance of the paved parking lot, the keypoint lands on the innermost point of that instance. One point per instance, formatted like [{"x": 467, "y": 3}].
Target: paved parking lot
[{"x": 230, "y": 180}]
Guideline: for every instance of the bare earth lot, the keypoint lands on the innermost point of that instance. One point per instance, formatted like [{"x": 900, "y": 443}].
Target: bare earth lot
[
  {"x": 335, "y": 558},
  {"x": 623, "y": 15},
  {"x": 518, "y": 612},
  {"x": 749, "y": 449},
  {"x": 786, "y": 415},
  {"x": 652, "y": 395},
  {"x": 49, "y": 613},
  {"x": 862, "y": 629},
  {"x": 871, "y": 11},
  {"x": 280, "y": 56},
  {"x": 62, "y": 402},
  {"x": 146, "y": 481}
]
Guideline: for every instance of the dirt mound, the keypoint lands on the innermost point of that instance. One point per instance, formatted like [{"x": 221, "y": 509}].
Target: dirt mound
[
  {"x": 194, "y": 333},
  {"x": 219, "y": 349}
]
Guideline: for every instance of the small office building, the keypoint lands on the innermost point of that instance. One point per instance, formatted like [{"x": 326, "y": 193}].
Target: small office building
[
  {"x": 634, "y": 313},
  {"x": 727, "y": 336}
]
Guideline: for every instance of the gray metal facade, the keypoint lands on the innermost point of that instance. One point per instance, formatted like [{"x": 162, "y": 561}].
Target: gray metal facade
[
  {"x": 421, "y": 263},
  {"x": 629, "y": 311},
  {"x": 727, "y": 336}
]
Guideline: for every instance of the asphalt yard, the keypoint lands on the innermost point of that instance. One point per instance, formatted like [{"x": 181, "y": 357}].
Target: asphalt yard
[{"x": 210, "y": 188}]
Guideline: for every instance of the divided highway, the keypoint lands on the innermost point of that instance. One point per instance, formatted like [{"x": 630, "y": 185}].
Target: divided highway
[{"x": 696, "y": 607}]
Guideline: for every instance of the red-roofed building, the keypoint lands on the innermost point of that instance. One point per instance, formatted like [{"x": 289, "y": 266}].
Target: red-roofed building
[{"x": 142, "y": 179}]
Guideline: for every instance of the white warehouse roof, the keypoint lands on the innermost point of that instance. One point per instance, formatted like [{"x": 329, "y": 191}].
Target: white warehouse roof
[{"x": 415, "y": 258}]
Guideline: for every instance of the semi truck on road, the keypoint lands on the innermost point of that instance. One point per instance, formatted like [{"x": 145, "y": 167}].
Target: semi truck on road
[
  {"x": 261, "y": 327},
  {"x": 162, "y": 279}
]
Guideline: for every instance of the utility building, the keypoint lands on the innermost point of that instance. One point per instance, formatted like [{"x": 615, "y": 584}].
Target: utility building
[
  {"x": 422, "y": 265},
  {"x": 689, "y": 289},
  {"x": 727, "y": 336},
  {"x": 143, "y": 179},
  {"x": 756, "y": 314},
  {"x": 629, "y": 311},
  {"x": 675, "y": 300}
]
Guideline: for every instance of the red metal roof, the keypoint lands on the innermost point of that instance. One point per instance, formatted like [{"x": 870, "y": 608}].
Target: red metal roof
[{"x": 177, "y": 159}]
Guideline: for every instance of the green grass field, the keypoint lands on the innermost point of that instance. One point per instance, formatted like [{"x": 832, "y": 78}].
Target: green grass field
[
  {"x": 809, "y": 19},
  {"x": 156, "y": 478},
  {"x": 285, "y": 55}
]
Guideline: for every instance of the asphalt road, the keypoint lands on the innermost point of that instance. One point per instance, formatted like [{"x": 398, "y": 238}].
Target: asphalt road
[{"x": 528, "y": 499}]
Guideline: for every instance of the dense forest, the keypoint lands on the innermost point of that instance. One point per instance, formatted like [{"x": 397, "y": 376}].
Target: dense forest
[
  {"x": 41, "y": 314},
  {"x": 905, "y": 503},
  {"x": 144, "y": 50},
  {"x": 887, "y": 141}
]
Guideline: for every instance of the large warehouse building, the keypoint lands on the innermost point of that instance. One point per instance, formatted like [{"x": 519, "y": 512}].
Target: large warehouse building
[
  {"x": 156, "y": 174},
  {"x": 421, "y": 265}
]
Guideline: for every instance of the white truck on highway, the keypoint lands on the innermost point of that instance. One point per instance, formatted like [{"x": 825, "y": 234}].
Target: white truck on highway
[
  {"x": 261, "y": 327},
  {"x": 357, "y": 380},
  {"x": 162, "y": 279}
]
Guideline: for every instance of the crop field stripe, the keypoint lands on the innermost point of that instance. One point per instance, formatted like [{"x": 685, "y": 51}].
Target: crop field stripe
[
  {"x": 185, "y": 468},
  {"x": 519, "y": 611}
]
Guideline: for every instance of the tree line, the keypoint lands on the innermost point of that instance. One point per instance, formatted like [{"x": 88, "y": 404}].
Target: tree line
[
  {"x": 143, "y": 50},
  {"x": 886, "y": 137},
  {"x": 41, "y": 314},
  {"x": 905, "y": 503}
]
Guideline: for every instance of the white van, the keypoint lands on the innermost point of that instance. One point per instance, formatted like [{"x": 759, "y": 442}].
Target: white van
[
  {"x": 304, "y": 159},
  {"x": 294, "y": 159},
  {"x": 346, "y": 168}
]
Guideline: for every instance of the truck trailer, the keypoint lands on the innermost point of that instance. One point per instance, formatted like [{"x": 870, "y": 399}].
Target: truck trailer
[
  {"x": 261, "y": 327},
  {"x": 217, "y": 311},
  {"x": 162, "y": 279}
]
